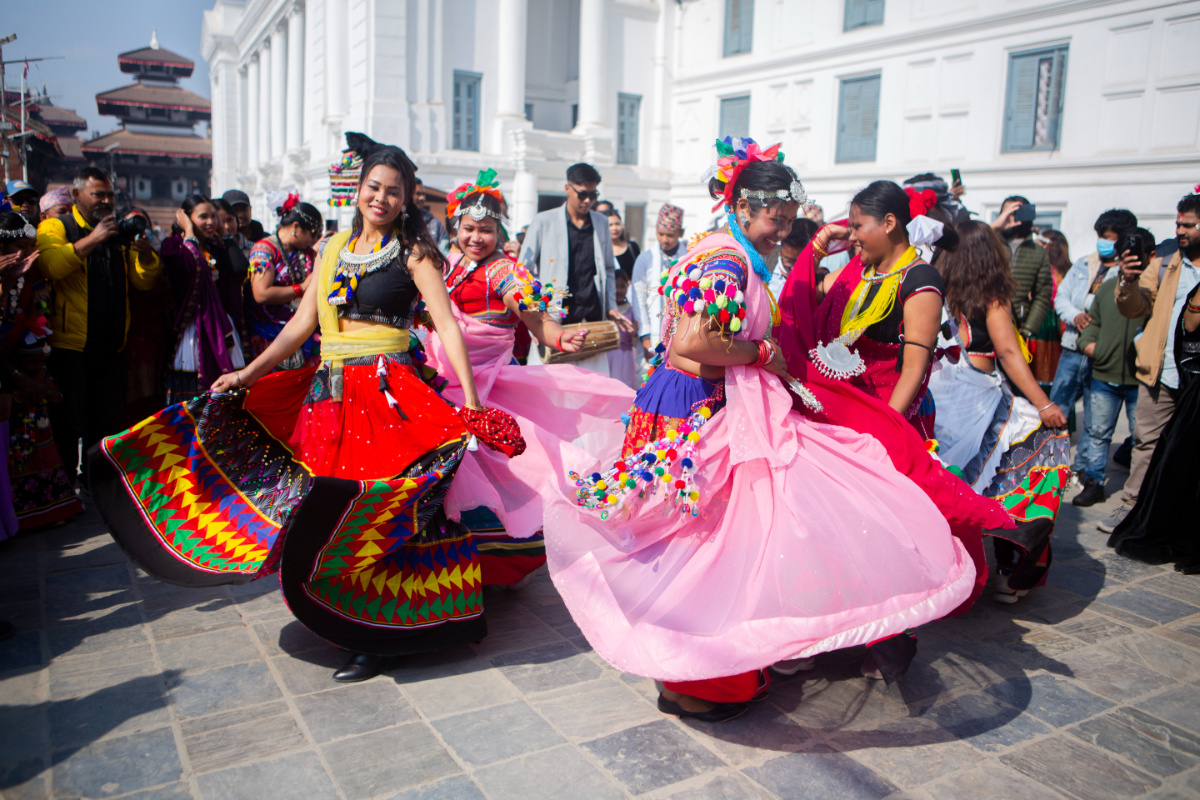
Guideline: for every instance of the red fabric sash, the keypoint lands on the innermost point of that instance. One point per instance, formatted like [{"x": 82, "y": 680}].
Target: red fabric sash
[{"x": 966, "y": 512}]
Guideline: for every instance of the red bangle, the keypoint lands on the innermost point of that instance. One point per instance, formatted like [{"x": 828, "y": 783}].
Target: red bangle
[
  {"x": 558, "y": 341},
  {"x": 297, "y": 290},
  {"x": 765, "y": 353}
]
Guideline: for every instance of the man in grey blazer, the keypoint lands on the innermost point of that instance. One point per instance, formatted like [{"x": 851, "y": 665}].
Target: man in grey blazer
[{"x": 571, "y": 246}]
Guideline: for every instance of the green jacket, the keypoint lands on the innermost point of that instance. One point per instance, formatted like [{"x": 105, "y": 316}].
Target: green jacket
[
  {"x": 1035, "y": 287},
  {"x": 1115, "y": 358}
]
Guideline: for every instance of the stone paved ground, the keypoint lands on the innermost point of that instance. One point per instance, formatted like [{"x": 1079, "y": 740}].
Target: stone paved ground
[{"x": 119, "y": 686}]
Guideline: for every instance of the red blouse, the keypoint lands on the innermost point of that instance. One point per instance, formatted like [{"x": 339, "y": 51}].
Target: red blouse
[{"x": 479, "y": 290}]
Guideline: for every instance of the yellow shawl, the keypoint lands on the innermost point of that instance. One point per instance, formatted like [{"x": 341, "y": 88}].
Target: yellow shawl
[{"x": 338, "y": 345}]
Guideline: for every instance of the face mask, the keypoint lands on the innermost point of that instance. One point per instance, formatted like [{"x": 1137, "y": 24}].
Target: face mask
[{"x": 1106, "y": 248}]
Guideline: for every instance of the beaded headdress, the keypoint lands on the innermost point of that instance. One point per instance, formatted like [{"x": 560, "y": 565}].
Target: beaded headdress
[
  {"x": 485, "y": 183},
  {"x": 26, "y": 232},
  {"x": 734, "y": 155},
  {"x": 287, "y": 204}
]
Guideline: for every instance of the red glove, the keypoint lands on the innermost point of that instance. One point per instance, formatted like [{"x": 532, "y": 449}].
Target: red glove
[{"x": 494, "y": 428}]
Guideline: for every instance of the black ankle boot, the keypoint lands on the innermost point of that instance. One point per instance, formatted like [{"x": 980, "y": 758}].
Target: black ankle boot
[
  {"x": 360, "y": 667},
  {"x": 1093, "y": 493}
]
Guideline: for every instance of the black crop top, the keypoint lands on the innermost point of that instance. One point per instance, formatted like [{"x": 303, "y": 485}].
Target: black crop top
[
  {"x": 921, "y": 277},
  {"x": 388, "y": 295},
  {"x": 980, "y": 341}
]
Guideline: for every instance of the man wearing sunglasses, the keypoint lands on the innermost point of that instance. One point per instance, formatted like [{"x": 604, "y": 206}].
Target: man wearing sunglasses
[{"x": 571, "y": 246}]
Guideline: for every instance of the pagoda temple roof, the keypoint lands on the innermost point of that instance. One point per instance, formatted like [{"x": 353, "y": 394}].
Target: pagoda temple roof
[
  {"x": 72, "y": 148},
  {"x": 149, "y": 144},
  {"x": 153, "y": 96},
  {"x": 155, "y": 56},
  {"x": 39, "y": 129},
  {"x": 57, "y": 117}
]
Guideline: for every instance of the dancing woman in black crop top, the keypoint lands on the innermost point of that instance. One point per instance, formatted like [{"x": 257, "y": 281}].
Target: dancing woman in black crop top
[
  {"x": 333, "y": 475},
  {"x": 1013, "y": 448},
  {"x": 978, "y": 284}
]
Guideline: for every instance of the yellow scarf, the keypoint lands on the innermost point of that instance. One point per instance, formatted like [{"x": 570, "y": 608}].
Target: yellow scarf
[
  {"x": 856, "y": 318},
  {"x": 338, "y": 345}
]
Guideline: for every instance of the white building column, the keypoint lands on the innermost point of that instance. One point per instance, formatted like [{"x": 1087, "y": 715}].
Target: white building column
[
  {"x": 510, "y": 73},
  {"x": 660, "y": 138},
  {"x": 295, "y": 81},
  {"x": 279, "y": 48},
  {"x": 592, "y": 70},
  {"x": 264, "y": 103},
  {"x": 336, "y": 56},
  {"x": 253, "y": 107}
]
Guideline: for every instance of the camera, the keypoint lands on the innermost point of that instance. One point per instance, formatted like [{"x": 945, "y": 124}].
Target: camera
[
  {"x": 1136, "y": 244},
  {"x": 1026, "y": 213},
  {"x": 131, "y": 228}
]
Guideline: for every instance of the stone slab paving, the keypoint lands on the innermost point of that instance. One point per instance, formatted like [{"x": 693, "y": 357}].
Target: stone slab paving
[{"x": 118, "y": 686}]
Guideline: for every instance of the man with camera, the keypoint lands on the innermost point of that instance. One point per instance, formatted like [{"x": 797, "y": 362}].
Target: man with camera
[
  {"x": 1159, "y": 290},
  {"x": 1030, "y": 264},
  {"x": 90, "y": 259}
]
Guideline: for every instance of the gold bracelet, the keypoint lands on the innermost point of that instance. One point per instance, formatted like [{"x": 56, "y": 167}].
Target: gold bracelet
[{"x": 821, "y": 251}]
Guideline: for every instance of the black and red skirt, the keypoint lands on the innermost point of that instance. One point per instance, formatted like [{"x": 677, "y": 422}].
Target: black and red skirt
[{"x": 342, "y": 497}]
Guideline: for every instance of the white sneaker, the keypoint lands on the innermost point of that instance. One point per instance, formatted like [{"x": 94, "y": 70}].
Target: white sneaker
[
  {"x": 1114, "y": 519},
  {"x": 794, "y": 665},
  {"x": 1003, "y": 594}
]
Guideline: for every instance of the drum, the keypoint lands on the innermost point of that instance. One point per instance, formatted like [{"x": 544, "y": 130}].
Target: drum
[{"x": 602, "y": 337}]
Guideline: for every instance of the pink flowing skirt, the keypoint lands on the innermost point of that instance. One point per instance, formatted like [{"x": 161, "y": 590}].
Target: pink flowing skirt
[
  {"x": 831, "y": 548},
  {"x": 566, "y": 415}
]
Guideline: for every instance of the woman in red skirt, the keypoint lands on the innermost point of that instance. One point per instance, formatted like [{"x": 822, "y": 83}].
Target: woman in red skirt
[{"x": 334, "y": 475}]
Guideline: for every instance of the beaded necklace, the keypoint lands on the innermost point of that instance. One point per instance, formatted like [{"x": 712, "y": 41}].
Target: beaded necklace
[
  {"x": 351, "y": 266},
  {"x": 855, "y": 317},
  {"x": 756, "y": 260}
]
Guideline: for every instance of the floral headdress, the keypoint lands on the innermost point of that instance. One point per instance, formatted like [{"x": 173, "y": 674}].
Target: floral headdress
[
  {"x": 485, "y": 183},
  {"x": 923, "y": 229},
  {"x": 734, "y": 155}
]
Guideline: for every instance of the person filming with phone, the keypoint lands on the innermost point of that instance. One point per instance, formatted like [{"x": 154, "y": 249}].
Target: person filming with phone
[
  {"x": 1159, "y": 290},
  {"x": 1030, "y": 264}
]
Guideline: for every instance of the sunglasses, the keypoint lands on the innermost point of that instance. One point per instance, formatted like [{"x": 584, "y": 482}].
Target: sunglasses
[{"x": 592, "y": 195}]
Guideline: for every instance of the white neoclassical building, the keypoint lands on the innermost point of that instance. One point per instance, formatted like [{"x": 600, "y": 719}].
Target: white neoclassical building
[
  {"x": 528, "y": 87},
  {"x": 1077, "y": 104}
]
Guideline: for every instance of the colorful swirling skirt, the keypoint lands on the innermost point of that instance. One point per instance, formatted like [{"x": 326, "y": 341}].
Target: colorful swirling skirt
[{"x": 342, "y": 497}]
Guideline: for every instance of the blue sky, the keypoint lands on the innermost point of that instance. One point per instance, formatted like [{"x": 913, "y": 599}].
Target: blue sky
[{"x": 90, "y": 35}]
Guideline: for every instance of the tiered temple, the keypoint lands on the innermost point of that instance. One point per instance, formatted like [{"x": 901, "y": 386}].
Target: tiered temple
[{"x": 155, "y": 155}]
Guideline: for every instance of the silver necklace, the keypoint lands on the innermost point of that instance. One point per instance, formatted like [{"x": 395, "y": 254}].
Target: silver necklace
[{"x": 353, "y": 264}]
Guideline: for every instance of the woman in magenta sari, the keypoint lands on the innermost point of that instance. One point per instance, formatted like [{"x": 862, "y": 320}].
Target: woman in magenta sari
[
  {"x": 878, "y": 321},
  {"x": 207, "y": 291},
  {"x": 563, "y": 411}
]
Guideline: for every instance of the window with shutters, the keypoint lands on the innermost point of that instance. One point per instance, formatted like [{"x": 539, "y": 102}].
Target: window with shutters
[
  {"x": 860, "y": 13},
  {"x": 735, "y": 117},
  {"x": 466, "y": 110},
  {"x": 628, "y": 108},
  {"x": 1034, "y": 104},
  {"x": 739, "y": 26},
  {"x": 858, "y": 119}
]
